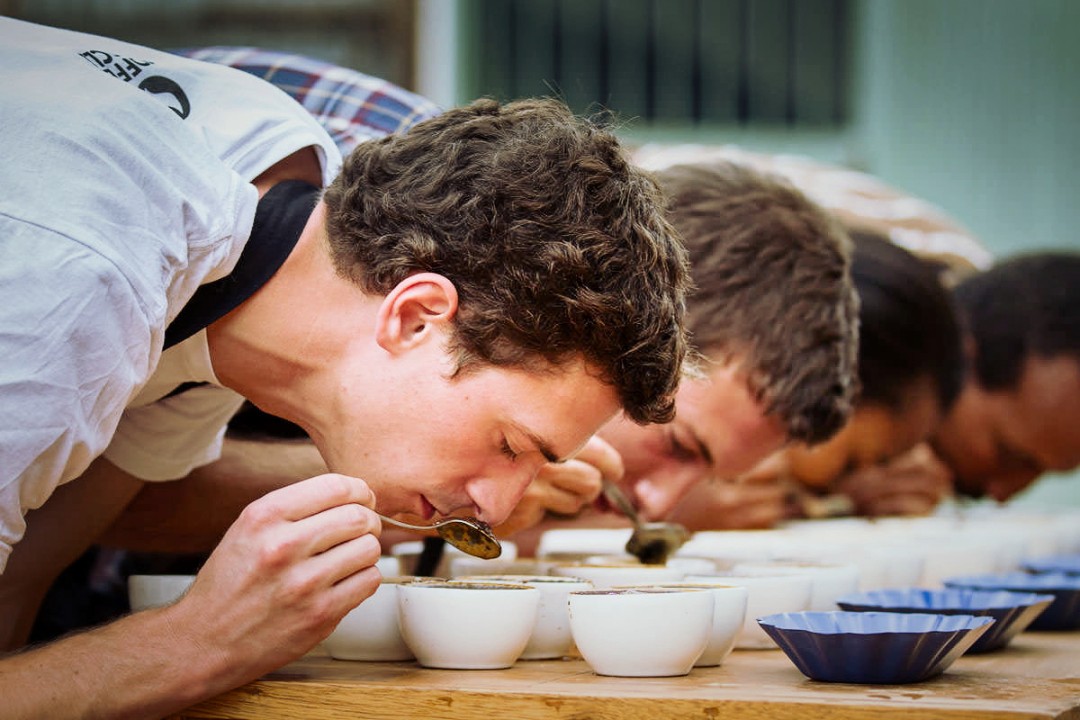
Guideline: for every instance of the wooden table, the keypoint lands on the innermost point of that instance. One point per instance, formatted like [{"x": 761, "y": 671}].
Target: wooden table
[{"x": 1036, "y": 676}]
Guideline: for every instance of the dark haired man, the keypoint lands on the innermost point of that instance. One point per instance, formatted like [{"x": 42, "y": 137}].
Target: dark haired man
[
  {"x": 440, "y": 322},
  {"x": 1018, "y": 415}
]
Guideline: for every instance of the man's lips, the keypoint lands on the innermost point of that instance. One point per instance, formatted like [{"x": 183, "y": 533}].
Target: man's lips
[{"x": 450, "y": 509}]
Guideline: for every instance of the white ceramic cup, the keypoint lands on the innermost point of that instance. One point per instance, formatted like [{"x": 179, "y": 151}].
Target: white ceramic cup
[
  {"x": 643, "y": 631},
  {"x": 766, "y": 595},
  {"x": 459, "y": 624},
  {"x": 370, "y": 631},
  {"x": 147, "y": 591},
  {"x": 551, "y": 636},
  {"x": 729, "y": 614},
  {"x": 728, "y": 618}
]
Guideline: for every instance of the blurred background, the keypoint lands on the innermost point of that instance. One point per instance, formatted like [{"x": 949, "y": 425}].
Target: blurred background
[{"x": 973, "y": 105}]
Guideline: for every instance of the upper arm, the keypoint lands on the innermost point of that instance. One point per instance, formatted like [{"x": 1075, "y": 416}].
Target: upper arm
[{"x": 301, "y": 165}]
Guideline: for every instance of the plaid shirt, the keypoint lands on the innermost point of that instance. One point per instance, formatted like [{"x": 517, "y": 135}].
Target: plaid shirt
[{"x": 351, "y": 106}]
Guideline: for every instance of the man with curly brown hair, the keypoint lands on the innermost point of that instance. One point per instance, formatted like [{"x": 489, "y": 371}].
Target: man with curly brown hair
[{"x": 464, "y": 304}]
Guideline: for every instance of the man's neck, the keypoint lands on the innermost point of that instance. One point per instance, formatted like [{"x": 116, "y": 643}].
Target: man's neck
[{"x": 283, "y": 339}]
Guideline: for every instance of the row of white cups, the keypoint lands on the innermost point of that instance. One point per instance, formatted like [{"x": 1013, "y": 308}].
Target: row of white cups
[{"x": 583, "y": 596}]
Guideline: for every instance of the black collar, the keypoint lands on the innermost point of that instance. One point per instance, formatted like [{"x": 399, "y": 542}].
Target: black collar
[{"x": 280, "y": 218}]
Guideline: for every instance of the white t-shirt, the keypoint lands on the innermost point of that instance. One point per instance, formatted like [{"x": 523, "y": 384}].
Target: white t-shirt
[{"x": 126, "y": 185}]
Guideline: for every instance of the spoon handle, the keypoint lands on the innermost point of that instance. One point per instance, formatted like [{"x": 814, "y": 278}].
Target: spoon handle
[
  {"x": 407, "y": 526},
  {"x": 617, "y": 498}
]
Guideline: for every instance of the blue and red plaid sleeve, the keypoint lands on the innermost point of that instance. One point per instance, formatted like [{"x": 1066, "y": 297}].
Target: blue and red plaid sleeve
[{"x": 352, "y": 107}]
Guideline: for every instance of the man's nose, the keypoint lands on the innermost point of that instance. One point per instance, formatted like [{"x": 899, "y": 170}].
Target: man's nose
[{"x": 496, "y": 497}]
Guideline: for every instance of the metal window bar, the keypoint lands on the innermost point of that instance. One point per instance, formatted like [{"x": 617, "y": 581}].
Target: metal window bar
[{"x": 671, "y": 61}]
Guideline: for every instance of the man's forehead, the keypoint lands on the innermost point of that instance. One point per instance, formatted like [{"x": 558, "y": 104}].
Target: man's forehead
[
  {"x": 1049, "y": 381},
  {"x": 747, "y": 435}
]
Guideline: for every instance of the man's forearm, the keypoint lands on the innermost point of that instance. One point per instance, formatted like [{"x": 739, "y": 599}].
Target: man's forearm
[
  {"x": 138, "y": 667},
  {"x": 268, "y": 593},
  {"x": 191, "y": 515},
  {"x": 57, "y": 533}
]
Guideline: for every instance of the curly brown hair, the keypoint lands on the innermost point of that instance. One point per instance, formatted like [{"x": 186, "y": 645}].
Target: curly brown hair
[
  {"x": 557, "y": 245},
  {"x": 773, "y": 290}
]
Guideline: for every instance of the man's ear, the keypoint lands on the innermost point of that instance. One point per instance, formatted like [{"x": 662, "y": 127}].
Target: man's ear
[{"x": 415, "y": 308}]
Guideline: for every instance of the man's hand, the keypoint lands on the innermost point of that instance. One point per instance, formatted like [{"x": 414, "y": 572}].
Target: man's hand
[
  {"x": 911, "y": 484},
  {"x": 286, "y": 572},
  {"x": 565, "y": 489}
]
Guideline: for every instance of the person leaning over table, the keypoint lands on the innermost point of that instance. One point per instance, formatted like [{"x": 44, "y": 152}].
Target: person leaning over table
[
  {"x": 352, "y": 107},
  {"x": 911, "y": 370},
  {"x": 464, "y": 303},
  {"x": 1018, "y": 414}
]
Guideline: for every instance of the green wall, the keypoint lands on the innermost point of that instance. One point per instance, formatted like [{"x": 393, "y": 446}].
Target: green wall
[{"x": 975, "y": 104}]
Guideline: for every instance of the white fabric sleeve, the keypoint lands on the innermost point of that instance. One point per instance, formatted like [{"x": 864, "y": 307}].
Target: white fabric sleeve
[
  {"x": 75, "y": 339},
  {"x": 168, "y": 439}
]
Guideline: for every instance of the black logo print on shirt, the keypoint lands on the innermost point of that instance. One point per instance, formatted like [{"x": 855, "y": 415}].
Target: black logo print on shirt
[{"x": 131, "y": 70}]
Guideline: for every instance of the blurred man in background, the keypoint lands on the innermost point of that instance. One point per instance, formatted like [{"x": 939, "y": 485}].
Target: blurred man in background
[{"x": 1018, "y": 415}]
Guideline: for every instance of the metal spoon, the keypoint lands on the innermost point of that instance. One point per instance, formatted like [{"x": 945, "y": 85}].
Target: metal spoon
[
  {"x": 466, "y": 534},
  {"x": 651, "y": 543}
]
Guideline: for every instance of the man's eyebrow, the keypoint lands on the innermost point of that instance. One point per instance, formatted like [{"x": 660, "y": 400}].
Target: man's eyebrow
[
  {"x": 702, "y": 447},
  {"x": 541, "y": 444}
]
